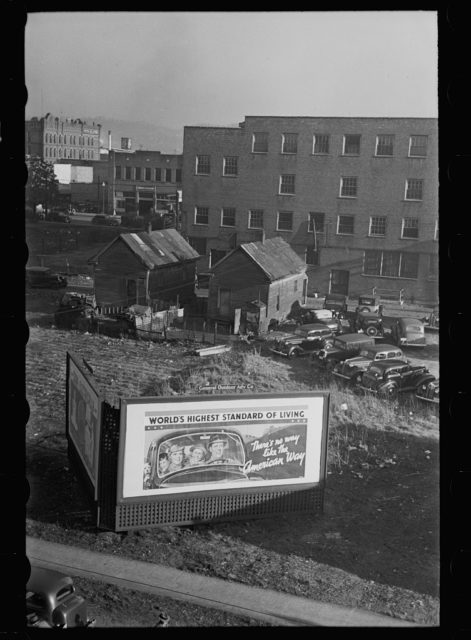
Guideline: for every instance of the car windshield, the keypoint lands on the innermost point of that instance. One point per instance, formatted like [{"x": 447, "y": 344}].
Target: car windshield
[
  {"x": 323, "y": 314},
  {"x": 192, "y": 450}
]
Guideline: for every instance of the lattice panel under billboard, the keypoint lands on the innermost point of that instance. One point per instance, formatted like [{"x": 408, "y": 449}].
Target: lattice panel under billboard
[{"x": 217, "y": 507}]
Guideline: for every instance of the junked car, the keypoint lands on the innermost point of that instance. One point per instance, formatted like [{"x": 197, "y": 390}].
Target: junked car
[
  {"x": 391, "y": 377},
  {"x": 429, "y": 392},
  {"x": 352, "y": 369},
  {"x": 45, "y": 278},
  {"x": 368, "y": 303},
  {"x": 336, "y": 302},
  {"x": 342, "y": 347},
  {"x": 369, "y": 323},
  {"x": 408, "y": 332},
  {"x": 306, "y": 339},
  {"x": 52, "y": 602}
]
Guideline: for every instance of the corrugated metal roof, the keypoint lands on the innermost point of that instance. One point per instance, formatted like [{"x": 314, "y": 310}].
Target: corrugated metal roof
[
  {"x": 275, "y": 257},
  {"x": 157, "y": 248}
]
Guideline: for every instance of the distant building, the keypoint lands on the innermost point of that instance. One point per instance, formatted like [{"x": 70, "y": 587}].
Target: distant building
[
  {"x": 141, "y": 181},
  {"x": 53, "y": 139},
  {"x": 355, "y": 198}
]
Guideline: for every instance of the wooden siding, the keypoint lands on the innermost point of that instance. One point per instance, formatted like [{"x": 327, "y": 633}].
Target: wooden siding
[
  {"x": 170, "y": 282},
  {"x": 114, "y": 268}
]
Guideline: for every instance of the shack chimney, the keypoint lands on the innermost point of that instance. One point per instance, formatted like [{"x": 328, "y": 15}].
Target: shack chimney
[
  {"x": 149, "y": 226},
  {"x": 109, "y": 140},
  {"x": 263, "y": 236}
]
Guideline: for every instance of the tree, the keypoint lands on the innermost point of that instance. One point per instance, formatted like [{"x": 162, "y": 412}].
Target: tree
[{"x": 42, "y": 185}]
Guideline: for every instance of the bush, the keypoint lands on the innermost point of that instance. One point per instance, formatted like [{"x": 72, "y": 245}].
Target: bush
[{"x": 137, "y": 222}]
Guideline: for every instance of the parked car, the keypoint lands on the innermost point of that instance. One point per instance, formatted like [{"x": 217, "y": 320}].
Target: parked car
[
  {"x": 329, "y": 318},
  {"x": 44, "y": 278},
  {"x": 429, "y": 392},
  {"x": 369, "y": 323},
  {"x": 352, "y": 369},
  {"x": 57, "y": 216},
  {"x": 341, "y": 347},
  {"x": 391, "y": 377},
  {"x": 368, "y": 303},
  {"x": 306, "y": 339},
  {"x": 408, "y": 332},
  {"x": 109, "y": 220},
  {"x": 52, "y": 602},
  {"x": 336, "y": 302}
]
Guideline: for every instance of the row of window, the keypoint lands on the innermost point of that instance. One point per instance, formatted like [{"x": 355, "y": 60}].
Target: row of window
[
  {"x": 351, "y": 144},
  {"x": 345, "y": 224},
  {"x": 79, "y": 154},
  {"x": 147, "y": 174},
  {"x": 64, "y": 139}
]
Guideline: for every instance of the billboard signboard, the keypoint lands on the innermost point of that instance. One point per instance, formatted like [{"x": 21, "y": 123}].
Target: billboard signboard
[
  {"x": 171, "y": 447},
  {"x": 84, "y": 409}
]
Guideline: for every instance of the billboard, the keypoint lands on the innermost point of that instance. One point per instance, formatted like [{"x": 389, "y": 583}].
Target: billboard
[
  {"x": 84, "y": 407},
  {"x": 169, "y": 447}
]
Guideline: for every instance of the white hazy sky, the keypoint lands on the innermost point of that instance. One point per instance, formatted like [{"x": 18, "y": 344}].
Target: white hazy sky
[{"x": 188, "y": 68}]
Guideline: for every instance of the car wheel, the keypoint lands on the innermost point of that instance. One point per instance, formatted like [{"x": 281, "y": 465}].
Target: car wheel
[
  {"x": 390, "y": 393},
  {"x": 293, "y": 354},
  {"x": 372, "y": 331}
]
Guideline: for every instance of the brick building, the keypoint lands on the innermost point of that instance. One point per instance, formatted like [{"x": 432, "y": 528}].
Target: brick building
[
  {"x": 139, "y": 181},
  {"x": 356, "y": 198},
  {"x": 53, "y": 139}
]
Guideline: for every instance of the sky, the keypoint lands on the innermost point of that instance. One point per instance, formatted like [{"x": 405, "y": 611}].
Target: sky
[{"x": 191, "y": 68}]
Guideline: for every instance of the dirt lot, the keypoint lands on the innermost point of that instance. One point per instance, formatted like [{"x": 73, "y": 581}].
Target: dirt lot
[{"x": 380, "y": 522}]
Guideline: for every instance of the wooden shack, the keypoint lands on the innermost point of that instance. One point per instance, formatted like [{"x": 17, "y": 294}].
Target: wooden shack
[
  {"x": 261, "y": 279},
  {"x": 155, "y": 268}
]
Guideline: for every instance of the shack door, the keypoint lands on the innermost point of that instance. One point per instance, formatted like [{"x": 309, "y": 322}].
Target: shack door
[{"x": 339, "y": 281}]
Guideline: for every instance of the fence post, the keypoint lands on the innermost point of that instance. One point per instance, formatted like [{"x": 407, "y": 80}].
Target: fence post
[{"x": 215, "y": 331}]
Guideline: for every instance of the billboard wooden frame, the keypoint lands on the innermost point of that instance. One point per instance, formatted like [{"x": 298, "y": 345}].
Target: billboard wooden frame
[
  {"x": 206, "y": 502},
  {"x": 90, "y": 473}
]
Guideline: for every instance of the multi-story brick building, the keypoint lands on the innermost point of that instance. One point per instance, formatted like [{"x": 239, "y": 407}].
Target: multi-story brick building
[
  {"x": 142, "y": 180},
  {"x": 53, "y": 139},
  {"x": 356, "y": 198}
]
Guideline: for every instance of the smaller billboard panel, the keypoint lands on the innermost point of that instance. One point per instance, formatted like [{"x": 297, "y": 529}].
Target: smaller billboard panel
[
  {"x": 170, "y": 447},
  {"x": 84, "y": 418}
]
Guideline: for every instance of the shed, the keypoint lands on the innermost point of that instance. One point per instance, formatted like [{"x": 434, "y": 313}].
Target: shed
[
  {"x": 267, "y": 275},
  {"x": 154, "y": 268}
]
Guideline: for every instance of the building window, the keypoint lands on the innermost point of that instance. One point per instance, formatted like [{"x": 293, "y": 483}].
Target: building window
[
  {"x": 168, "y": 175},
  {"x": 345, "y": 225},
  {"x": 320, "y": 143},
  {"x": 384, "y": 145},
  {"x": 312, "y": 256},
  {"x": 284, "y": 221},
  {"x": 215, "y": 255},
  {"x": 316, "y": 222},
  {"x": 158, "y": 175},
  {"x": 351, "y": 145},
  {"x": 260, "y": 142},
  {"x": 60, "y": 153},
  {"x": 201, "y": 215},
  {"x": 127, "y": 171},
  {"x": 228, "y": 217},
  {"x": 289, "y": 143},
  {"x": 418, "y": 146},
  {"x": 255, "y": 218},
  {"x": 278, "y": 302},
  {"x": 287, "y": 184},
  {"x": 377, "y": 226},
  {"x": 295, "y": 286},
  {"x": 198, "y": 244},
  {"x": 348, "y": 186},
  {"x": 138, "y": 173},
  {"x": 203, "y": 165},
  {"x": 65, "y": 138},
  {"x": 178, "y": 175},
  {"x": 414, "y": 189},
  {"x": 410, "y": 228},
  {"x": 433, "y": 267},
  {"x": 391, "y": 264},
  {"x": 60, "y": 138},
  {"x": 230, "y": 167},
  {"x": 148, "y": 173}
]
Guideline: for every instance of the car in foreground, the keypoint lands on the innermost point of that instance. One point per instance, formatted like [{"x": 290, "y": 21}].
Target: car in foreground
[
  {"x": 429, "y": 392},
  {"x": 342, "y": 347},
  {"x": 369, "y": 323},
  {"x": 306, "y": 339},
  {"x": 408, "y": 332},
  {"x": 44, "y": 278},
  {"x": 52, "y": 602},
  {"x": 391, "y": 377},
  {"x": 351, "y": 370}
]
